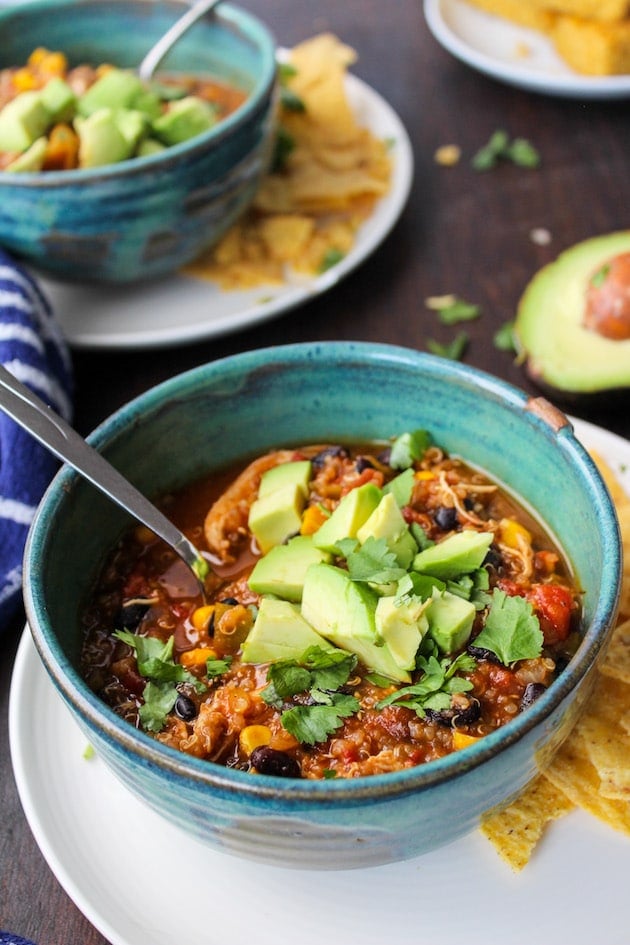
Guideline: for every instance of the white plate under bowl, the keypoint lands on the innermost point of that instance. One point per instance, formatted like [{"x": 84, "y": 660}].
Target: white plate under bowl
[
  {"x": 141, "y": 881},
  {"x": 493, "y": 45},
  {"x": 181, "y": 309}
]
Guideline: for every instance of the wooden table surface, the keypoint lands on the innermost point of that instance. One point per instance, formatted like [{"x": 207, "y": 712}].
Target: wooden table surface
[{"x": 462, "y": 232}]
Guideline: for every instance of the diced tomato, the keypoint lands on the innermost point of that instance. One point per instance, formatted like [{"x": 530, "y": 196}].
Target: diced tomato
[
  {"x": 368, "y": 475},
  {"x": 553, "y": 605},
  {"x": 500, "y": 678}
]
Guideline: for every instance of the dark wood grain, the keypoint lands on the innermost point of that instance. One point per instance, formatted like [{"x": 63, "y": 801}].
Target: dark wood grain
[{"x": 462, "y": 232}]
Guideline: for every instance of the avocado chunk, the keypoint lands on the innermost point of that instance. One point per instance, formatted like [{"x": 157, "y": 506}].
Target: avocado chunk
[
  {"x": 402, "y": 625},
  {"x": 276, "y": 516},
  {"x": 283, "y": 569},
  {"x": 32, "y": 159},
  {"x": 401, "y": 486},
  {"x": 560, "y": 352},
  {"x": 458, "y": 554},
  {"x": 184, "y": 119},
  {"x": 386, "y": 522},
  {"x": 116, "y": 88},
  {"x": 353, "y": 511},
  {"x": 22, "y": 121},
  {"x": 100, "y": 139},
  {"x": 344, "y": 612},
  {"x": 298, "y": 472},
  {"x": 133, "y": 125},
  {"x": 450, "y": 620},
  {"x": 149, "y": 146},
  {"x": 279, "y": 632},
  {"x": 58, "y": 99}
]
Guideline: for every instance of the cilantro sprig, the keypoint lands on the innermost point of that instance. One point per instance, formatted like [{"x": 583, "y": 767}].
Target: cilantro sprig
[
  {"x": 512, "y": 630},
  {"x": 156, "y": 664},
  {"x": 439, "y": 681},
  {"x": 318, "y": 674},
  {"x": 372, "y": 562}
]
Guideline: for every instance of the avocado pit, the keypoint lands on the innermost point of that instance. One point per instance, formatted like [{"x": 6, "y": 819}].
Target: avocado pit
[{"x": 607, "y": 310}]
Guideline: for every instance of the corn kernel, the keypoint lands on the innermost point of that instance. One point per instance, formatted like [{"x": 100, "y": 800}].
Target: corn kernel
[
  {"x": 55, "y": 63},
  {"x": 201, "y": 617},
  {"x": 197, "y": 657},
  {"x": 513, "y": 534},
  {"x": 254, "y": 736},
  {"x": 25, "y": 79},
  {"x": 37, "y": 56},
  {"x": 312, "y": 519},
  {"x": 461, "y": 740},
  {"x": 144, "y": 535},
  {"x": 424, "y": 475}
]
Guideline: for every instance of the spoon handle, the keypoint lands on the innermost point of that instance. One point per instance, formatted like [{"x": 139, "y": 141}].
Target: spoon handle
[
  {"x": 38, "y": 419},
  {"x": 157, "y": 52}
]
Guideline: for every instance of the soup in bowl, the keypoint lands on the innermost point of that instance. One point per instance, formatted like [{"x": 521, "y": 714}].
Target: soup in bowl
[{"x": 412, "y": 571}]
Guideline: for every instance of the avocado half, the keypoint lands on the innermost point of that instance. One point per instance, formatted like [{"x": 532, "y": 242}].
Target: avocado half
[{"x": 559, "y": 352}]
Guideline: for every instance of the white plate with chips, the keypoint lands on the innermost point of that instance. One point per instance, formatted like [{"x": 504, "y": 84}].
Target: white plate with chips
[
  {"x": 463, "y": 892},
  {"x": 183, "y": 309},
  {"x": 513, "y": 54}
]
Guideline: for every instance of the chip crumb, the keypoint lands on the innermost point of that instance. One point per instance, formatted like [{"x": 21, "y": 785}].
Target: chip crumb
[
  {"x": 438, "y": 302},
  {"x": 540, "y": 236},
  {"x": 448, "y": 155}
]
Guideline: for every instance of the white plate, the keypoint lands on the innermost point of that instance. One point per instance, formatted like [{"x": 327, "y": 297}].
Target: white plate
[
  {"x": 182, "y": 309},
  {"x": 491, "y": 45},
  {"x": 141, "y": 881}
]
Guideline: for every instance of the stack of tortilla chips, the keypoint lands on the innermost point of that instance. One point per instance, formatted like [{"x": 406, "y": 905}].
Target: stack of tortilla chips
[{"x": 592, "y": 768}]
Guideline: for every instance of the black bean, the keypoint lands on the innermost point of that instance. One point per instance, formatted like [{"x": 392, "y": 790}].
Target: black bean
[
  {"x": 131, "y": 615},
  {"x": 268, "y": 760},
  {"x": 185, "y": 708},
  {"x": 480, "y": 653},
  {"x": 362, "y": 462},
  {"x": 330, "y": 451},
  {"x": 445, "y": 517},
  {"x": 493, "y": 558},
  {"x": 465, "y": 712},
  {"x": 532, "y": 692},
  {"x": 228, "y": 600}
]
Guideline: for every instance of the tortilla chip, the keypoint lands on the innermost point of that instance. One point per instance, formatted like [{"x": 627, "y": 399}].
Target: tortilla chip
[
  {"x": 616, "y": 661},
  {"x": 572, "y": 772},
  {"x": 516, "y": 830},
  {"x": 608, "y": 750},
  {"x": 334, "y": 173},
  {"x": 617, "y": 492}
]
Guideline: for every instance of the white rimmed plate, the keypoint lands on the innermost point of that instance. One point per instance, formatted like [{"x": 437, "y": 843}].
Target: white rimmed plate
[
  {"x": 182, "y": 309},
  {"x": 493, "y": 45},
  {"x": 173, "y": 889}
]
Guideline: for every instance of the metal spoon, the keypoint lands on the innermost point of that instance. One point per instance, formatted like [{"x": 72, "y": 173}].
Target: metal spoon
[
  {"x": 38, "y": 419},
  {"x": 157, "y": 52}
]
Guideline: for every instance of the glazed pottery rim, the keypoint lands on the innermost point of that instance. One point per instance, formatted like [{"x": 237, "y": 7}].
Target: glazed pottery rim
[
  {"x": 90, "y": 708},
  {"x": 234, "y": 18}
]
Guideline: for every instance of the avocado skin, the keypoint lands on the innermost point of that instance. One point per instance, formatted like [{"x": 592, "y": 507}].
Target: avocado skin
[{"x": 565, "y": 360}]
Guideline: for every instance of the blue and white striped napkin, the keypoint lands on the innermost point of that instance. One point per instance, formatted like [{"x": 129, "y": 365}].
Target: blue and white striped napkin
[{"x": 33, "y": 350}]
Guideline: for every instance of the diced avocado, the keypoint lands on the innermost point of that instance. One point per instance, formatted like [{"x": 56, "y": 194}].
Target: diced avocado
[
  {"x": 402, "y": 625},
  {"x": 283, "y": 569},
  {"x": 58, "y": 99},
  {"x": 386, "y": 522},
  {"x": 148, "y": 103},
  {"x": 458, "y": 554},
  {"x": 352, "y": 512},
  {"x": 344, "y": 611},
  {"x": 184, "y": 119},
  {"x": 279, "y": 632},
  {"x": 100, "y": 139},
  {"x": 32, "y": 159},
  {"x": 22, "y": 121},
  {"x": 276, "y": 516},
  {"x": 149, "y": 146},
  {"x": 132, "y": 124},
  {"x": 298, "y": 472},
  {"x": 401, "y": 487},
  {"x": 116, "y": 88},
  {"x": 450, "y": 620}
]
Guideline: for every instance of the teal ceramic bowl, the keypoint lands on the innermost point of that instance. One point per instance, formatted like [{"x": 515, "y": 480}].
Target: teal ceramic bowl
[
  {"x": 144, "y": 217},
  {"x": 231, "y": 408}
]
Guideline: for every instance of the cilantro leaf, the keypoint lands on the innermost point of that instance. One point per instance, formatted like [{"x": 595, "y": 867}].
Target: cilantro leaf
[
  {"x": 512, "y": 630},
  {"x": 504, "y": 338},
  {"x": 314, "y": 723},
  {"x": 453, "y": 350},
  {"x": 434, "y": 689},
  {"x": 330, "y": 669},
  {"x": 458, "y": 311},
  {"x": 331, "y": 257},
  {"x": 372, "y": 561},
  {"x": 159, "y": 699},
  {"x": 409, "y": 447},
  {"x": 217, "y": 667}
]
